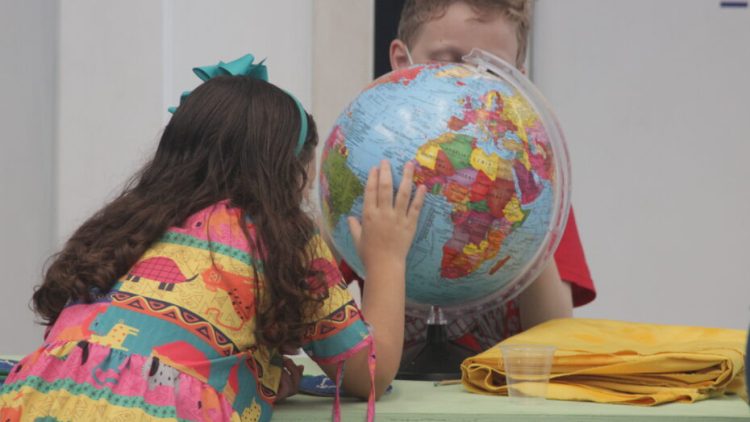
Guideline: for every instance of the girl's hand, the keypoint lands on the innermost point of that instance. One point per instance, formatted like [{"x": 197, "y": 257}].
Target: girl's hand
[
  {"x": 388, "y": 226},
  {"x": 291, "y": 374}
]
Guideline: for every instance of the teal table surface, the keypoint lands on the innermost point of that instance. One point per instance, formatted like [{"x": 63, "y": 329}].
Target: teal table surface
[{"x": 422, "y": 401}]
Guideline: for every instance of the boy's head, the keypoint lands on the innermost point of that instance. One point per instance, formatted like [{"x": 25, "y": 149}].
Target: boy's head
[{"x": 446, "y": 30}]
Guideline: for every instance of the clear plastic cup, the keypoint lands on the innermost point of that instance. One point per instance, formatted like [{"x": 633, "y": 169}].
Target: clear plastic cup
[{"x": 527, "y": 369}]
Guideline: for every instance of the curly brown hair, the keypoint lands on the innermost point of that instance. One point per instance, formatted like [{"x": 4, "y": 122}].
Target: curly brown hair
[
  {"x": 416, "y": 12},
  {"x": 233, "y": 138}
]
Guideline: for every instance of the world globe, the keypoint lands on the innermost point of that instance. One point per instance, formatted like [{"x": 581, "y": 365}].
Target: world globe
[{"x": 493, "y": 159}]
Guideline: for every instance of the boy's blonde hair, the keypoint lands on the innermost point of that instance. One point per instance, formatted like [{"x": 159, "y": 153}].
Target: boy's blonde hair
[{"x": 416, "y": 12}]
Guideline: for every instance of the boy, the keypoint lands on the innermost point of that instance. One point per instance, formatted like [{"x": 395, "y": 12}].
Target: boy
[{"x": 445, "y": 31}]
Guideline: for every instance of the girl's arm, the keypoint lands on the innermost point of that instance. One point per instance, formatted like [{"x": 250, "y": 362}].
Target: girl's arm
[
  {"x": 383, "y": 240},
  {"x": 548, "y": 297}
]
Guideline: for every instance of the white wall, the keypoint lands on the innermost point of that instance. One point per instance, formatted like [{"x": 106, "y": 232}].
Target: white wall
[
  {"x": 110, "y": 101},
  {"x": 85, "y": 89},
  {"x": 123, "y": 63},
  {"x": 654, "y": 99},
  {"x": 279, "y": 31},
  {"x": 343, "y": 59},
  {"x": 27, "y": 118}
]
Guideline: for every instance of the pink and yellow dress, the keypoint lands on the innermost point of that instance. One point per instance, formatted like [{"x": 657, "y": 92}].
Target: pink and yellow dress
[{"x": 173, "y": 340}]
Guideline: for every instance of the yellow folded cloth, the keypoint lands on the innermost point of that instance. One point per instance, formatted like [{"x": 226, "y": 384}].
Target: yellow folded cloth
[{"x": 624, "y": 362}]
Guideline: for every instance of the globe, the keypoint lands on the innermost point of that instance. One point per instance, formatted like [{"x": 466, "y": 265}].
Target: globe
[{"x": 494, "y": 162}]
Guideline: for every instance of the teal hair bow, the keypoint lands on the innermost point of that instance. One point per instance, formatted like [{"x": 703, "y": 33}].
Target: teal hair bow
[{"x": 244, "y": 66}]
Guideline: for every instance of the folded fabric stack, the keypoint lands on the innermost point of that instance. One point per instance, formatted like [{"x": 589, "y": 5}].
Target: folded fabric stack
[
  {"x": 5, "y": 366},
  {"x": 624, "y": 362}
]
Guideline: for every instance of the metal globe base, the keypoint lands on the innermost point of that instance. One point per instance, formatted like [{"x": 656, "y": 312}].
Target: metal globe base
[{"x": 438, "y": 359}]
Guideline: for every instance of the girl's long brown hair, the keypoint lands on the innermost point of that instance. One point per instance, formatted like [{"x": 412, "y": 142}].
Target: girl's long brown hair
[{"x": 233, "y": 138}]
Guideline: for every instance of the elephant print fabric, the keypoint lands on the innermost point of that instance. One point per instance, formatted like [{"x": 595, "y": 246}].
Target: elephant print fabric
[{"x": 174, "y": 338}]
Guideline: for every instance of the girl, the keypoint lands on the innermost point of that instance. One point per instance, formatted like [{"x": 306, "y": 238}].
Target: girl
[{"x": 177, "y": 300}]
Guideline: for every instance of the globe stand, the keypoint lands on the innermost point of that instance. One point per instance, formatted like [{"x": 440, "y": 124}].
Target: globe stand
[{"x": 438, "y": 359}]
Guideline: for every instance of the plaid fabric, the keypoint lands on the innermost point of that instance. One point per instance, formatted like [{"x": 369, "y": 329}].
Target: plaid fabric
[{"x": 485, "y": 328}]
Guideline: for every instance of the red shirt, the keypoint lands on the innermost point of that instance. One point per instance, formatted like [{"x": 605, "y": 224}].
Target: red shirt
[{"x": 571, "y": 264}]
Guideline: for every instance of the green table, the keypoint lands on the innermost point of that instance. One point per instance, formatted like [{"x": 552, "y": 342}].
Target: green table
[{"x": 422, "y": 401}]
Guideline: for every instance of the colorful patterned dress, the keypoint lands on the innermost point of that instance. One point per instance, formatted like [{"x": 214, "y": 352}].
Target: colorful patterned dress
[{"x": 173, "y": 340}]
